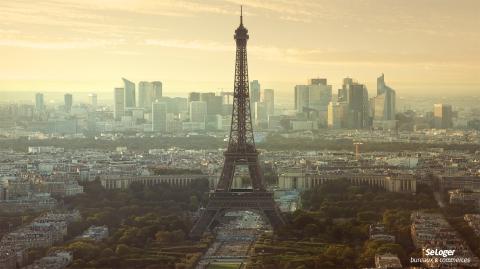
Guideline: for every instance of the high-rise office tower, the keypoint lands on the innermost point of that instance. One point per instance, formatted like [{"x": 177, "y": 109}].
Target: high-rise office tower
[
  {"x": 343, "y": 92},
  {"x": 159, "y": 117},
  {"x": 181, "y": 104},
  {"x": 119, "y": 103},
  {"x": 442, "y": 116},
  {"x": 68, "y": 98},
  {"x": 261, "y": 115},
  {"x": 193, "y": 96},
  {"x": 336, "y": 115},
  {"x": 347, "y": 81},
  {"x": 269, "y": 100},
  {"x": 301, "y": 97},
  {"x": 314, "y": 97},
  {"x": 384, "y": 103},
  {"x": 198, "y": 111},
  {"x": 205, "y": 96},
  {"x": 145, "y": 95},
  {"x": 157, "y": 90},
  {"x": 93, "y": 100},
  {"x": 129, "y": 88},
  {"x": 357, "y": 106},
  {"x": 254, "y": 91},
  {"x": 214, "y": 103},
  {"x": 318, "y": 81},
  {"x": 39, "y": 102}
]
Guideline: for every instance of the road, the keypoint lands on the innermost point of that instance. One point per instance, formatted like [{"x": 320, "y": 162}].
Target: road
[
  {"x": 234, "y": 238},
  {"x": 439, "y": 200}
]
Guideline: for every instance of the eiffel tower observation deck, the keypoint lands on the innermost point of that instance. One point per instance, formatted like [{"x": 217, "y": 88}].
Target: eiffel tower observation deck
[{"x": 240, "y": 151}]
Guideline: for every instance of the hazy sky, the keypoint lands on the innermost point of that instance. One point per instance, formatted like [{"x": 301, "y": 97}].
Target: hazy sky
[{"x": 86, "y": 45}]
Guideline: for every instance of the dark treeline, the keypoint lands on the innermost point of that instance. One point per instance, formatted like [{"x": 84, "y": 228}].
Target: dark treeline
[
  {"x": 148, "y": 226},
  {"x": 332, "y": 229},
  {"x": 273, "y": 142}
]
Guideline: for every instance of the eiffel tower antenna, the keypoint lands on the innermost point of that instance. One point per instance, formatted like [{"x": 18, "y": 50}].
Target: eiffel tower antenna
[{"x": 241, "y": 15}]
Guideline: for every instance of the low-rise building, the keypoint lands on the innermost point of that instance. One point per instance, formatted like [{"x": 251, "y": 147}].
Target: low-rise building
[
  {"x": 432, "y": 231},
  {"x": 96, "y": 233},
  {"x": 378, "y": 232},
  {"x": 464, "y": 197},
  {"x": 57, "y": 260},
  {"x": 123, "y": 182},
  {"x": 8, "y": 258},
  {"x": 298, "y": 179},
  {"x": 387, "y": 261},
  {"x": 473, "y": 221}
]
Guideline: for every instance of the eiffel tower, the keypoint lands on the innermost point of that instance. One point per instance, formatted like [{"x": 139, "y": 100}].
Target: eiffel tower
[{"x": 240, "y": 151}]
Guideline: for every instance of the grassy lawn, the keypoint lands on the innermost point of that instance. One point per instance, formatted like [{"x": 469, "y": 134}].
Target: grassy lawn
[{"x": 224, "y": 266}]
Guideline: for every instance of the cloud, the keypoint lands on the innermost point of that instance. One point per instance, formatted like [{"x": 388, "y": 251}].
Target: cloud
[
  {"x": 193, "y": 44},
  {"x": 321, "y": 56},
  {"x": 61, "y": 45}
]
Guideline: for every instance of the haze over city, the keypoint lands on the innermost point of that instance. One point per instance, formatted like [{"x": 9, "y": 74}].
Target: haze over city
[
  {"x": 231, "y": 134},
  {"x": 85, "y": 46}
]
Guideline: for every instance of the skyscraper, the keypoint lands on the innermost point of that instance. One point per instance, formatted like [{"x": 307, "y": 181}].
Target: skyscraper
[
  {"x": 157, "y": 90},
  {"x": 261, "y": 115},
  {"x": 269, "y": 100},
  {"x": 343, "y": 92},
  {"x": 442, "y": 116},
  {"x": 198, "y": 111},
  {"x": 159, "y": 117},
  {"x": 68, "y": 99},
  {"x": 39, "y": 102},
  {"x": 193, "y": 96},
  {"x": 145, "y": 95},
  {"x": 318, "y": 81},
  {"x": 314, "y": 97},
  {"x": 384, "y": 105},
  {"x": 205, "y": 96},
  {"x": 336, "y": 115},
  {"x": 93, "y": 100},
  {"x": 129, "y": 88},
  {"x": 357, "y": 106},
  {"x": 301, "y": 97},
  {"x": 214, "y": 103},
  {"x": 254, "y": 91},
  {"x": 119, "y": 103}
]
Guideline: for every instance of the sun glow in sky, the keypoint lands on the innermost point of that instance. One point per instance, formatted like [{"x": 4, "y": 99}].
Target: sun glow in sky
[{"x": 84, "y": 45}]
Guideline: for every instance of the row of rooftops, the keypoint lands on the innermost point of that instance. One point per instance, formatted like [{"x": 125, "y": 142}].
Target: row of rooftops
[{"x": 432, "y": 231}]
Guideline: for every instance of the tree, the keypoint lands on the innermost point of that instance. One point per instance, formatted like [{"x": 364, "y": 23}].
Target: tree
[
  {"x": 108, "y": 252},
  {"x": 122, "y": 250},
  {"x": 368, "y": 216},
  {"x": 163, "y": 236},
  {"x": 194, "y": 203},
  {"x": 310, "y": 230},
  {"x": 86, "y": 250}
]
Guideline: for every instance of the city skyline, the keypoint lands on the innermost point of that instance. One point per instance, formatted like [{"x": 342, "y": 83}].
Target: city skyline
[
  {"x": 431, "y": 46},
  {"x": 344, "y": 174}
]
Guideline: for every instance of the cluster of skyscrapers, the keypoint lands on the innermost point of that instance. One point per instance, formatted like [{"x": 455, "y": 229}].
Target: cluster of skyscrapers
[
  {"x": 352, "y": 108},
  {"x": 126, "y": 103},
  {"x": 40, "y": 102},
  {"x": 199, "y": 111},
  {"x": 143, "y": 108}
]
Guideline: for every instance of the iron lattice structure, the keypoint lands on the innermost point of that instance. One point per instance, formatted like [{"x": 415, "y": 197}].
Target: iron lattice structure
[
  {"x": 240, "y": 151},
  {"x": 241, "y": 146}
]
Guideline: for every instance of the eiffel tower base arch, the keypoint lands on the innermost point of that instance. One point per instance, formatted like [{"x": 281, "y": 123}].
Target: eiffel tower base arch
[{"x": 219, "y": 202}]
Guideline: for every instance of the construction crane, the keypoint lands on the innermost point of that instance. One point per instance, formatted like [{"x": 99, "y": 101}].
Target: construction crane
[{"x": 357, "y": 149}]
